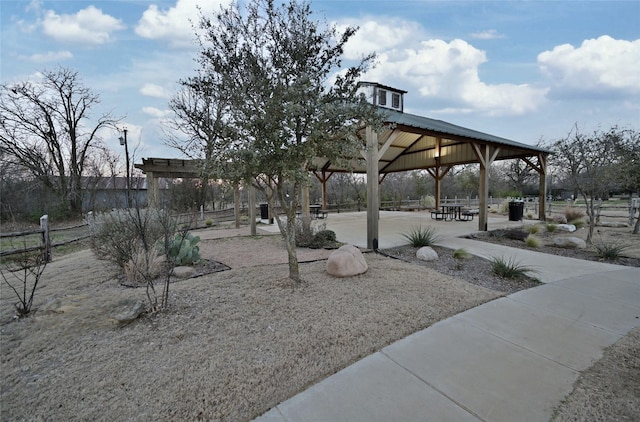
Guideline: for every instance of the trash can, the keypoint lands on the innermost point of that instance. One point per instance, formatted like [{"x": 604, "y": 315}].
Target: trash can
[
  {"x": 264, "y": 211},
  {"x": 516, "y": 210}
]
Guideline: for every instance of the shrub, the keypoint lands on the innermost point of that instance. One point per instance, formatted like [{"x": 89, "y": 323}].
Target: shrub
[
  {"x": 25, "y": 273},
  {"x": 532, "y": 241},
  {"x": 577, "y": 223},
  {"x": 509, "y": 268},
  {"x": 529, "y": 216},
  {"x": 572, "y": 214},
  {"x": 208, "y": 222},
  {"x": 116, "y": 235},
  {"x": 428, "y": 201},
  {"x": 143, "y": 266},
  {"x": 504, "y": 207},
  {"x": 323, "y": 239},
  {"x": 183, "y": 249},
  {"x": 461, "y": 253},
  {"x": 551, "y": 227},
  {"x": 533, "y": 229},
  {"x": 609, "y": 251},
  {"x": 421, "y": 236}
]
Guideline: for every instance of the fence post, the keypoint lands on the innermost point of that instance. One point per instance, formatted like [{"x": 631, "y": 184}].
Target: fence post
[{"x": 46, "y": 239}]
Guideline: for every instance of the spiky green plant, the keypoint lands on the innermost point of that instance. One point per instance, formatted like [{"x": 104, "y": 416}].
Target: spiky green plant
[
  {"x": 532, "y": 241},
  {"x": 510, "y": 268},
  {"x": 461, "y": 253},
  {"x": 609, "y": 251},
  {"x": 551, "y": 227},
  {"x": 421, "y": 236}
]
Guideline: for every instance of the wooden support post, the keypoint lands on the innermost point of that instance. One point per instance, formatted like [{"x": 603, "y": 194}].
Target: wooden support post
[
  {"x": 486, "y": 155},
  {"x": 236, "y": 204},
  {"x": 252, "y": 208},
  {"x": 373, "y": 211},
  {"x": 153, "y": 191},
  {"x": 541, "y": 168}
]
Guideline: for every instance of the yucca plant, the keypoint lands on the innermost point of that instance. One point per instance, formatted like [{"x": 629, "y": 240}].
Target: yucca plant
[
  {"x": 551, "y": 227},
  {"x": 610, "y": 251},
  {"x": 421, "y": 236},
  {"x": 510, "y": 268}
]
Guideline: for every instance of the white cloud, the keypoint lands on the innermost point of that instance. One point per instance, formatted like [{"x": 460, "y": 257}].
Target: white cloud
[
  {"x": 490, "y": 34},
  {"x": 88, "y": 26},
  {"x": 153, "y": 90},
  {"x": 176, "y": 23},
  {"x": 446, "y": 74},
  {"x": 373, "y": 36},
  {"x": 156, "y": 112},
  {"x": 49, "y": 56},
  {"x": 601, "y": 65}
]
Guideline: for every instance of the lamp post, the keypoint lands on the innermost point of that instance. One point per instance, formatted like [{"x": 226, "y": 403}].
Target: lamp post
[{"x": 123, "y": 141}]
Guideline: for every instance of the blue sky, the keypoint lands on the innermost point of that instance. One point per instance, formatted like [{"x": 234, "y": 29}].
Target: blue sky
[{"x": 523, "y": 70}]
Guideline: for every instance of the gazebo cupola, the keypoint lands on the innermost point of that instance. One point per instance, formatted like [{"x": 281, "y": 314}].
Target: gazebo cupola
[{"x": 382, "y": 95}]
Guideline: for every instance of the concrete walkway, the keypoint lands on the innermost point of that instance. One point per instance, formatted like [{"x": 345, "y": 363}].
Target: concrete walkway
[{"x": 514, "y": 358}]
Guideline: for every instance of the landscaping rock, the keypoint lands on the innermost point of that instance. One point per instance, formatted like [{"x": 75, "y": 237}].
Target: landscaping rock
[
  {"x": 614, "y": 224},
  {"x": 566, "y": 227},
  {"x": 184, "y": 272},
  {"x": 569, "y": 242},
  {"x": 346, "y": 261},
  {"x": 516, "y": 234},
  {"x": 131, "y": 314},
  {"x": 426, "y": 253}
]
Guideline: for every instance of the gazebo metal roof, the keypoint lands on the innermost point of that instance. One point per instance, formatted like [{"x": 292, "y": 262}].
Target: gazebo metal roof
[{"x": 413, "y": 142}]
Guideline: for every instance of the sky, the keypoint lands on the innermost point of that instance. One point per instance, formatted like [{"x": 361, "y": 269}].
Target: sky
[{"x": 523, "y": 70}]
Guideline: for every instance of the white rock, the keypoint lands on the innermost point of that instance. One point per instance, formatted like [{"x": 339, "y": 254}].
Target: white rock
[
  {"x": 569, "y": 242},
  {"x": 566, "y": 227},
  {"x": 183, "y": 272},
  {"x": 346, "y": 261},
  {"x": 426, "y": 253}
]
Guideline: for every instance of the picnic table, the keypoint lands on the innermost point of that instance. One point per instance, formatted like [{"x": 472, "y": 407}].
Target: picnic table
[{"x": 451, "y": 212}]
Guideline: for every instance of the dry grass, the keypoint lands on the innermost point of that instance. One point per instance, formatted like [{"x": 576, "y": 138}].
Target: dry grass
[{"x": 232, "y": 345}]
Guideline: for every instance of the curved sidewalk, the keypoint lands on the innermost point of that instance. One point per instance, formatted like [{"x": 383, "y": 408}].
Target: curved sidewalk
[{"x": 514, "y": 358}]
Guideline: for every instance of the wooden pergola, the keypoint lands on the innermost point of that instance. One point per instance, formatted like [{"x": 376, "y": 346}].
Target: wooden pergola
[{"x": 414, "y": 142}]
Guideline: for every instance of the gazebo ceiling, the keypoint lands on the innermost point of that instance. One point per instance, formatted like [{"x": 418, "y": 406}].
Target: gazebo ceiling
[{"x": 413, "y": 142}]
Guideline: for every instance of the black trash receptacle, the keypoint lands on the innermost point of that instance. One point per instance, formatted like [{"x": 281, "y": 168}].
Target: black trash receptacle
[
  {"x": 264, "y": 211},
  {"x": 516, "y": 210}
]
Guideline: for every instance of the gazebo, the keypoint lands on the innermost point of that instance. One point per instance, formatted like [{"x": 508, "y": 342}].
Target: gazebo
[
  {"x": 414, "y": 142},
  {"x": 410, "y": 142}
]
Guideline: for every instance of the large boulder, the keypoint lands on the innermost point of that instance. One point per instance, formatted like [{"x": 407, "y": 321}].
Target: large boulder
[
  {"x": 566, "y": 227},
  {"x": 426, "y": 253},
  {"x": 569, "y": 242},
  {"x": 346, "y": 261}
]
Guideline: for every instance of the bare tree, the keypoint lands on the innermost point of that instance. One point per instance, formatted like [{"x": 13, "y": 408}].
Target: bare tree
[
  {"x": 594, "y": 164},
  {"x": 47, "y": 127}
]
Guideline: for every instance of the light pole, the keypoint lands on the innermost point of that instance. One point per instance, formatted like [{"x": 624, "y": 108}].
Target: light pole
[{"x": 123, "y": 141}]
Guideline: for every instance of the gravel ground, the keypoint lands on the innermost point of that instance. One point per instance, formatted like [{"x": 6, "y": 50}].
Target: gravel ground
[{"x": 235, "y": 343}]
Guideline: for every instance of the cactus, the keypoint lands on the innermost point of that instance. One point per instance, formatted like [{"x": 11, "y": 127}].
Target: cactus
[{"x": 183, "y": 249}]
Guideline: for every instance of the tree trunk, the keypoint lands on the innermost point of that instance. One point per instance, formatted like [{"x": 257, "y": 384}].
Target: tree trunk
[{"x": 636, "y": 228}]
